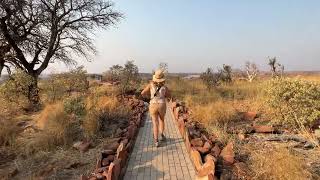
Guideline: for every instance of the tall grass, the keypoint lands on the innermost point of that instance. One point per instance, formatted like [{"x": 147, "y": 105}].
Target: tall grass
[{"x": 277, "y": 163}]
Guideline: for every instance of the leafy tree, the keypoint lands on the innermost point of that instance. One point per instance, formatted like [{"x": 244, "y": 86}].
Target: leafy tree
[
  {"x": 130, "y": 77},
  {"x": 61, "y": 85},
  {"x": 226, "y": 73},
  {"x": 113, "y": 74},
  {"x": 40, "y": 32},
  {"x": 210, "y": 78}
]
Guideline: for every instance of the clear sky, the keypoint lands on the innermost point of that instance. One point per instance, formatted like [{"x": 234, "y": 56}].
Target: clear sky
[{"x": 191, "y": 35}]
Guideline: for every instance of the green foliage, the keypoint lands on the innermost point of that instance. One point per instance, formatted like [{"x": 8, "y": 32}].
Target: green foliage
[
  {"x": 75, "y": 105},
  {"x": 210, "y": 78},
  {"x": 294, "y": 102},
  {"x": 61, "y": 85},
  {"x": 114, "y": 73},
  {"x": 226, "y": 74},
  {"x": 127, "y": 75},
  {"x": 17, "y": 89}
]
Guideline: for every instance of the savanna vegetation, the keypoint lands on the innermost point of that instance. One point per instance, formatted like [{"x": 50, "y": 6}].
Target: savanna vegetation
[{"x": 289, "y": 103}]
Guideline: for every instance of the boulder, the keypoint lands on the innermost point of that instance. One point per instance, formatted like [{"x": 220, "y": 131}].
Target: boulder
[
  {"x": 249, "y": 116},
  {"x": 197, "y": 142},
  {"x": 187, "y": 140},
  {"x": 227, "y": 154},
  {"x": 196, "y": 158},
  {"x": 202, "y": 150},
  {"x": 207, "y": 145},
  {"x": 82, "y": 146},
  {"x": 111, "y": 146},
  {"x": 114, "y": 170},
  {"x": 208, "y": 167},
  {"x": 215, "y": 151},
  {"x": 263, "y": 129}
]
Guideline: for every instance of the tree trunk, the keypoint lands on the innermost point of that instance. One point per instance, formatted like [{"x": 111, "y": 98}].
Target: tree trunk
[{"x": 33, "y": 93}]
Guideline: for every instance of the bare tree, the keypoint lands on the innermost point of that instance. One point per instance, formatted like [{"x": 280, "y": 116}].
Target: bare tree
[
  {"x": 252, "y": 71},
  {"x": 277, "y": 69},
  {"x": 40, "y": 32},
  {"x": 164, "y": 67}
]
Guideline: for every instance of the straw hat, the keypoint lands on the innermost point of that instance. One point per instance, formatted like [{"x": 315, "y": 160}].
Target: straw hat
[{"x": 158, "y": 76}]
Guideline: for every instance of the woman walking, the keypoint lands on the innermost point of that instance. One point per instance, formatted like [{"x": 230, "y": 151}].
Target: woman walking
[{"x": 157, "y": 108}]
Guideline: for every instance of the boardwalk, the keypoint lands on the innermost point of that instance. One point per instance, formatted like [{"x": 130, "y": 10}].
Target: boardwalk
[{"x": 169, "y": 161}]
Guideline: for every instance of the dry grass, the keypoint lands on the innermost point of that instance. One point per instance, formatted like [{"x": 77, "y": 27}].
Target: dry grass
[
  {"x": 218, "y": 113},
  {"x": 277, "y": 163},
  {"x": 8, "y": 131},
  {"x": 102, "y": 110},
  {"x": 58, "y": 129}
]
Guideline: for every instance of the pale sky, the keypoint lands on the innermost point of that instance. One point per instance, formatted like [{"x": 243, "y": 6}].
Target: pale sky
[{"x": 192, "y": 35}]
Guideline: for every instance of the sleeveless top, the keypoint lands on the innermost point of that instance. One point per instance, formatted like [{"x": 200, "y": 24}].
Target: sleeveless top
[{"x": 160, "y": 96}]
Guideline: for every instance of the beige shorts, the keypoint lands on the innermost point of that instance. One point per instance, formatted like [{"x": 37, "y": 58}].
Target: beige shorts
[{"x": 157, "y": 109}]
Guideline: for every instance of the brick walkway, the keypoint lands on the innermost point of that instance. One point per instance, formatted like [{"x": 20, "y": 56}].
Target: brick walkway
[{"x": 169, "y": 161}]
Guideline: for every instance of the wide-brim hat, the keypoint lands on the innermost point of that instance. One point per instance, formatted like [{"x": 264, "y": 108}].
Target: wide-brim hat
[{"x": 158, "y": 76}]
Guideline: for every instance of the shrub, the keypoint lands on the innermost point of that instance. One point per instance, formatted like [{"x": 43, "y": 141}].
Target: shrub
[
  {"x": 75, "y": 105},
  {"x": 294, "y": 102},
  {"x": 16, "y": 90},
  {"x": 61, "y": 85},
  {"x": 58, "y": 129},
  {"x": 210, "y": 78}
]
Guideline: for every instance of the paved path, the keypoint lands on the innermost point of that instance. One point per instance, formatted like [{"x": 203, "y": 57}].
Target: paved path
[{"x": 169, "y": 161}]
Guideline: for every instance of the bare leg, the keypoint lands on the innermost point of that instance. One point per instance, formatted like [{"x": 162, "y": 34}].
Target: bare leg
[
  {"x": 161, "y": 124},
  {"x": 155, "y": 125}
]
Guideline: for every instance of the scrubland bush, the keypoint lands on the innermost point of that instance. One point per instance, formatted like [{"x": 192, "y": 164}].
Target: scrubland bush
[
  {"x": 294, "y": 102},
  {"x": 277, "y": 163},
  {"x": 62, "y": 85},
  {"x": 75, "y": 105},
  {"x": 127, "y": 75},
  {"x": 211, "y": 79},
  {"x": 16, "y": 90}
]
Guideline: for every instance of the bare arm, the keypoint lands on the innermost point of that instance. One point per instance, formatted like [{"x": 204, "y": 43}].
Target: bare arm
[{"x": 146, "y": 91}]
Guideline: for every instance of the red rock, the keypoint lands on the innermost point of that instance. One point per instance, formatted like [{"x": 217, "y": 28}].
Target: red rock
[
  {"x": 114, "y": 170},
  {"x": 131, "y": 131},
  {"x": 129, "y": 146},
  {"x": 263, "y": 129},
  {"x": 100, "y": 170},
  {"x": 105, "y": 153},
  {"x": 187, "y": 140},
  {"x": 215, "y": 151},
  {"x": 125, "y": 141},
  {"x": 82, "y": 146},
  {"x": 208, "y": 168},
  {"x": 83, "y": 177},
  {"x": 181, "y": 126},
  {"x": 112, "y": 146},
  {"x": 207, "y": 145},
  {"x": 227, "y": 154},
  {"x": 202, "y": 150},
  {"x": 196, "y": 158},
  {"x": 105, "y": 162},
  {"x": 197, "y": 142},
  {"x": 250, "y": 116}
]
